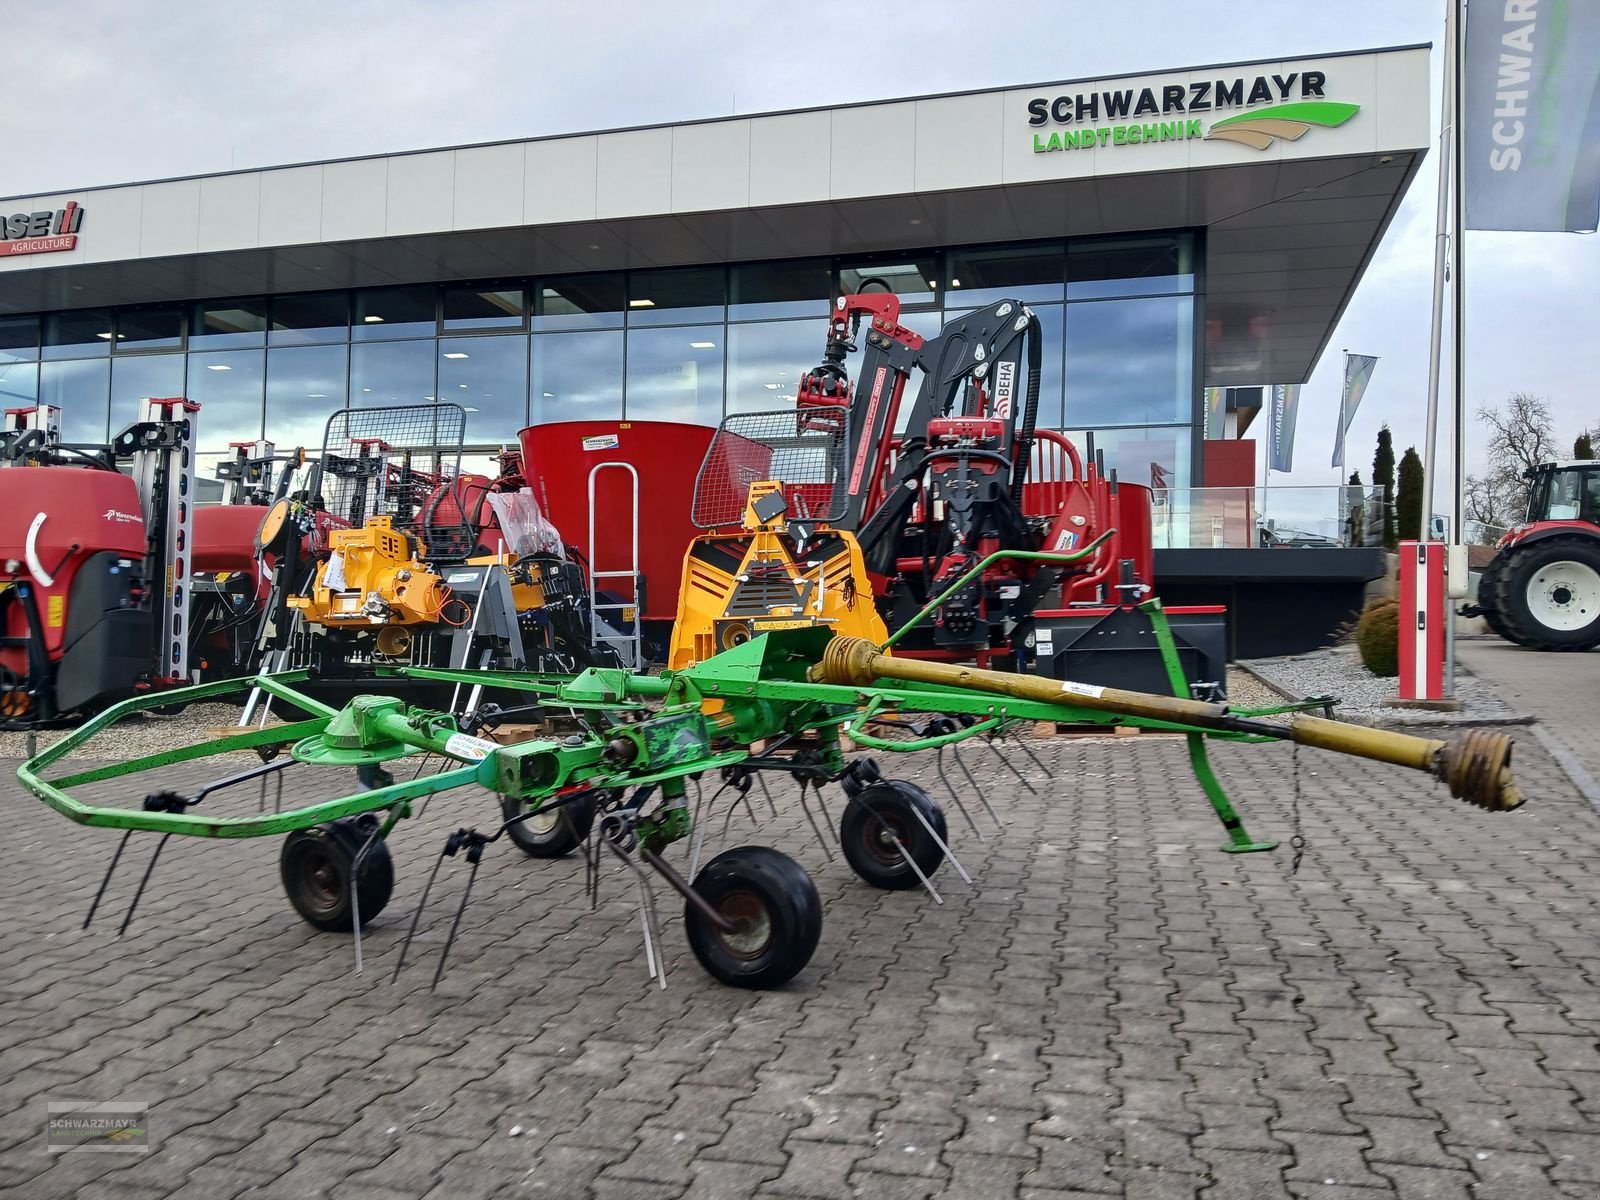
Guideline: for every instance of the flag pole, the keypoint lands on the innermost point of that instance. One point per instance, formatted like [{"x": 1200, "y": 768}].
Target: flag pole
[
  {"x": 1441, "y": 244},
  {"x": 1458, "y": 275},
  {"x": 1266, "y": 462}
]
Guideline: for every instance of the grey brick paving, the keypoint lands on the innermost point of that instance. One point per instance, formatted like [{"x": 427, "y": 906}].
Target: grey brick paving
[{"x": 1117, "y": 1009}]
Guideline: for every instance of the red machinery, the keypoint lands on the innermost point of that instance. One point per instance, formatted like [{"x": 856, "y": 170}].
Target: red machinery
[
  {"x": 970, "y": 475},
  {"x": 1542, "y": 589},
  {"x": 622, "y": 492},
  {"x": 95, "y": 566}
]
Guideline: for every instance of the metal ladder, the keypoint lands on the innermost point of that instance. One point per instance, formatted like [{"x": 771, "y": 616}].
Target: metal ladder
[{"x": 629, "y": 646}]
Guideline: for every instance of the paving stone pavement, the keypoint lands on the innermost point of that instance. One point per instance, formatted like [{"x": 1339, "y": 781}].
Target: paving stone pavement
[
  {"x": 1561, "y": 688},
  {"x": 1116, "y": 1009}
]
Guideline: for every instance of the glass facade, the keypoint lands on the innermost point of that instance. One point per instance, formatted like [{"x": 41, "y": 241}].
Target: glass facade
[{"x": 684, "y": 344}]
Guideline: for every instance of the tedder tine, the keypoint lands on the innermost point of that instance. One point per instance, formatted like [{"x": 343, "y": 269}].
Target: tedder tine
[
  {"x": 355, "y": 889},
  {"x": 1009, "y": 765},
  {"x": 655, "y": 962},
  {"x": 416, "y": 917},
  {"x": 806, "y": 808},
  {"x": 943, "y": 845},
  {"x": 767, "y": 792},
  {"x": 938, "y": 762},
  {"x": 1022, "y": 744},
  {"x": 700, "y": 829},
  {"x": 138, "y": 895},
  {"x": 827, "y": 819},
  {"x": 474, "y": 842},
  {"x": 984, "y": 800},
  {"x": 105, "y": 882}
]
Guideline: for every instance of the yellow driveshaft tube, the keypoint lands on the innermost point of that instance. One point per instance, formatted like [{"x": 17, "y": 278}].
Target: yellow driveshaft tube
[{"x": 1475, "y": 766}]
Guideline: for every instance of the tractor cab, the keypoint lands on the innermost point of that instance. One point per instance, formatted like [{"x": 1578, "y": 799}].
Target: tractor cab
[{"x": 1564, "y": 491}]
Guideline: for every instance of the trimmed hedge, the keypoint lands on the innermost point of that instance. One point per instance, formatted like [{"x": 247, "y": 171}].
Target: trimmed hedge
[{"x": 1378, "y": 637}]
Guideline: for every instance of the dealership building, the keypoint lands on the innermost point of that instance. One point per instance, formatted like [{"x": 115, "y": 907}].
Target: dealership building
[{"x": 1176, "y": 231}]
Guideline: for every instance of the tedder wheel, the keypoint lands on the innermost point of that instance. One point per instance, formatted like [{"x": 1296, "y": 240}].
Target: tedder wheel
[
  {"x": 875, "y": 817},
  {"x": 551, "y": 834},
  {"x": 1548, "y": 594},
  {"x": 316, "y": 866},
  {"x": 775, "y": 910}
]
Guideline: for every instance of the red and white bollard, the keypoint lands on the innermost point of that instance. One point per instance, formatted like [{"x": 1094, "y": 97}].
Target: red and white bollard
[{"x": 1423, "y": 612}]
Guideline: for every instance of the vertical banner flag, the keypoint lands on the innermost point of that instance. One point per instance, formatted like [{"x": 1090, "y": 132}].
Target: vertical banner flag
[
  {"x": 1213, "y": 426},
  {"x": 1357, "y": 374},
  {"x": 1285, "y": 407},
  {"x": 1532, "y": 133}
]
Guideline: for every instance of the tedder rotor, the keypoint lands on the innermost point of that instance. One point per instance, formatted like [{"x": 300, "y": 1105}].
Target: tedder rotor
[{"x": 620, "y": 782}]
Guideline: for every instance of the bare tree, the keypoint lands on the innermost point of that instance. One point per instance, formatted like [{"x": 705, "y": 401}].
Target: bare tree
[
  {"x": 1521, "y": 436},
  {"x": 1487, "y": 503}
]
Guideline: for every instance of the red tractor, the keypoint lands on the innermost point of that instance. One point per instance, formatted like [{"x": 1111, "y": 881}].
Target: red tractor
[{"x": 1542, "y": 589}]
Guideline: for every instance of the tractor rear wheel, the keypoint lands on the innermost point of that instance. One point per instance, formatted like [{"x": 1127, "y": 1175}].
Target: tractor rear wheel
[
  {"x": 1548, "y": 594},
  {"x": 1488, "y": 592}
]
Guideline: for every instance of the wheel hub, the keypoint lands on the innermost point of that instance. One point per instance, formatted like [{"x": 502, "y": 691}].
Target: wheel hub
[
  {"x": 542, "y": 823},
  {"x": 884, "y": 839},
  {"x": 1565, "y": 595},
  {"x": 323, "y": 881},
  {"x": 752, "y": 925}
]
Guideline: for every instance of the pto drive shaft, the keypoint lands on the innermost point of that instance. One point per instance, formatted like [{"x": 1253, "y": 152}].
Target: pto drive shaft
[{"x": 1476, "y": 766}]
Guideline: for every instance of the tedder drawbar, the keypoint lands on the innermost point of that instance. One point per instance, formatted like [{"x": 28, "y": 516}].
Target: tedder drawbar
[{"x": 620, "y": 784}]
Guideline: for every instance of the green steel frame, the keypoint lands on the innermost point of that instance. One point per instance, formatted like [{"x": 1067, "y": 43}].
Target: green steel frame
[{"x": 643, "y": 730}]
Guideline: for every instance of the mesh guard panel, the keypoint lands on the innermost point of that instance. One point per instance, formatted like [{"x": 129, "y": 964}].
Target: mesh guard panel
[
  {"x": 803, "y": 449},
  {"x": 401, "y": 462}
]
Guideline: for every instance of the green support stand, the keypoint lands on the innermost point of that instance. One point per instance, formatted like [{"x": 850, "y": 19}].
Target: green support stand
[{"x": 1239, "y": 839}]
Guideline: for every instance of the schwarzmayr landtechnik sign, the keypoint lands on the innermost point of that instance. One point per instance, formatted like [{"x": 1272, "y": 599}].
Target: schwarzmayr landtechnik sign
[{"x": 1294, "y": 104}]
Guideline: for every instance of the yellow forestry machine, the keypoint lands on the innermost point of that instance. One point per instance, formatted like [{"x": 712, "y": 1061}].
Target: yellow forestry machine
[{"x": 413, "y": 563}]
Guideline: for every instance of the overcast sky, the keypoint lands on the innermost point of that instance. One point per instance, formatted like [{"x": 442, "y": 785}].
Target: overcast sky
[{"x": 116, "y": 92}]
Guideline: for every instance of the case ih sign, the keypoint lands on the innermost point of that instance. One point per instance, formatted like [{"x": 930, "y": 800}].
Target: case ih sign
[{"x": 41, "y": 232}]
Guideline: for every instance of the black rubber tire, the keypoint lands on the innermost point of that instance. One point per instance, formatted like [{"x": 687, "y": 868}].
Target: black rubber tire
[
  {"x": 1488, "y": 600},
  {"x": 1523, "y": 565},
  {"x": 891, "y": 805},
  {"x": 315, "y": 868},
  {"x": 755, "y": 884},
  {"x": 554, "y": 836}
]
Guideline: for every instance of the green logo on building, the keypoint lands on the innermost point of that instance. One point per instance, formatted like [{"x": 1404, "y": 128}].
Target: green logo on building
[
  {"x": 1257, "y": 129},
  {"x": 1261, "y": 128}
]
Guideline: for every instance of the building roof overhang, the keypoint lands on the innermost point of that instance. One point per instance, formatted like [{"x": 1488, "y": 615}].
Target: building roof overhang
[{"x": 1289, "y": 227}]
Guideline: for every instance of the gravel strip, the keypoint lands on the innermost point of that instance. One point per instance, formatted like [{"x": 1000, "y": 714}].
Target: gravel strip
[
  {"x": 1246, "y": 691},
  {"x": 138, "y": 735},
  {"x": 1339, "y": 672}
]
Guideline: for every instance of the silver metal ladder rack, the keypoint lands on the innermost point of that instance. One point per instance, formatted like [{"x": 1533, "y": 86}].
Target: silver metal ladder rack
[{"x": 629, "y": 646}]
